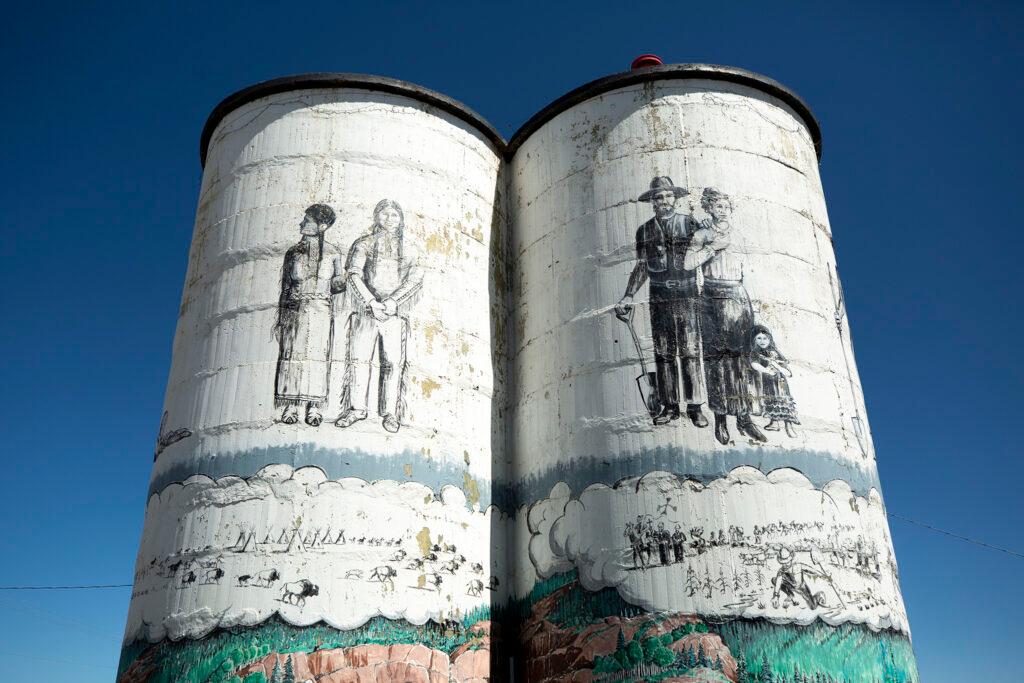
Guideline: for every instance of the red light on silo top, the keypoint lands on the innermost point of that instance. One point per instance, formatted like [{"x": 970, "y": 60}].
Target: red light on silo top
[{"x": 645, "y": 61}]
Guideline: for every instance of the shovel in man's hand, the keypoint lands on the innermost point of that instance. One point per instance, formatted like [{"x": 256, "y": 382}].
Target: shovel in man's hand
[{"x": 648, "y": 381}]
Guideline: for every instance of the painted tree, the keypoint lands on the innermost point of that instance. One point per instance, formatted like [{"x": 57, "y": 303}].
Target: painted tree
[
  {"x": 702, "y": 658},
  {"x": 742, "y": 676},
  {"x": 276, "y": 675},
  {"x": 289, "y": 672}
]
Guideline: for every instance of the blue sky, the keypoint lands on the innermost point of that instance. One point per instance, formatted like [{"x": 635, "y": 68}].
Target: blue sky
[{"x": 920, "y": 105}]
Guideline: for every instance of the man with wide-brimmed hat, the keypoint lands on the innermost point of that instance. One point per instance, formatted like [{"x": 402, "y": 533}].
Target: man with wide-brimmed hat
[{"x": 661, "y": 245}]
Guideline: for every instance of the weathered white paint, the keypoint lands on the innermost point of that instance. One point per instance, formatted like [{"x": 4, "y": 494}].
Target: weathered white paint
[
  {"x": 841, "y": 537},
  {"x": 574, "y": 185},
  {"x": 219, "y": 553},
  {"x": 268, "y": 161}
]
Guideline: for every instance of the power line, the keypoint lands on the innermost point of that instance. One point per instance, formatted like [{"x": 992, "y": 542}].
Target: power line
[
  {"x": 966, "y": 539},
  {"x": 66, "y": 588}
]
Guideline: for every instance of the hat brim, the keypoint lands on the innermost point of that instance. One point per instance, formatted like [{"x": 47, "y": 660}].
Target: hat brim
[{"x": 646, "y": 196}]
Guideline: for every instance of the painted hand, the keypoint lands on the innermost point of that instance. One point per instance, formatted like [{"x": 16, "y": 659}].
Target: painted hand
[
  {"x": 390, "y": 307},
  {"x": 624, "y": 307},
  {"x": 378, "y": 311},
  {"x": 719, "y": 243}
]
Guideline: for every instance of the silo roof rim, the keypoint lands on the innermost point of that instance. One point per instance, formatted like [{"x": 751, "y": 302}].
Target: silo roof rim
[
  {"x": 327, "y": 80},
  {"x": 712, "y": 72}
]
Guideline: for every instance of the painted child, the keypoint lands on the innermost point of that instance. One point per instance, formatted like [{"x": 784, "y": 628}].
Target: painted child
[{"x": 771, "y": 381}]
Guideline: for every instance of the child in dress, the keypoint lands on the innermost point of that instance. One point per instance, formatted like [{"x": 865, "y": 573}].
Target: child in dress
[{"x": 770, "y": 377}]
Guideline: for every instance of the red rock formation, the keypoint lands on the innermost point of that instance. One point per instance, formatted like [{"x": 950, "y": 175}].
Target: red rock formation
[
  {"x": 556, "y": 654},
  {"x": 362, "y": 664},
  {"x": 470, "y": 663}
]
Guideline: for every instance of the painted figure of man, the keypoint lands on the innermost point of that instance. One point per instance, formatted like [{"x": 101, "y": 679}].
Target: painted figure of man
[
  {"x": 726, "y": 317},
  {"x": 305, "y": 324},
  {"x": 661, "y": 245},
  {"x": 678, "y": 544},
  {"x": 384, "y": 280},
  {"x": 792, "y": 581}
]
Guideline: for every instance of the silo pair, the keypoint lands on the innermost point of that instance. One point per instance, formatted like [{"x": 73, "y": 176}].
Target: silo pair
[{"x": 577, "y": 407}]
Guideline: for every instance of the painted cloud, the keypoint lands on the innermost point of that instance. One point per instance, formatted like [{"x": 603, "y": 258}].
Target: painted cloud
[
  {"x": 748, "y": 544},
  {"x": 232, "y": 551}
]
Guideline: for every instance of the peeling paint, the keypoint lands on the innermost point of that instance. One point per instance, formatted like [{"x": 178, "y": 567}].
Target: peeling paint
[
  {"x": 428, "y": 386},
  {"x": 471, "y": 488},
  {"x": 423, "y": 539}
]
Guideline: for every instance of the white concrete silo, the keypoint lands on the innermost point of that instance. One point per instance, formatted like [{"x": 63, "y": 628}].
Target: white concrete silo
[
  {"x": 696, "y": 478},
  {"x": 321, "y": 497}
]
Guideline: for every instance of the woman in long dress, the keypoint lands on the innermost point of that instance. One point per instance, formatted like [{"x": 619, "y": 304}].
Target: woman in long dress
[
  {"x": 726, "y": 317},
  {"x": 305, "y": 324}
]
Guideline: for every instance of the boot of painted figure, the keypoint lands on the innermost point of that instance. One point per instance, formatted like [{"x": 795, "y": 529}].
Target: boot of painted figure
[
  {"x": 696, "y": 415},
  {"x": 721, "y": 430},
  {"x": 290, "y": 415},
  {"x": 667, "y": 414},
  {"x": 745, "y": 426},
  {"x": 390, "y": 423},
  {"x": 313, "y": 416},
  {"x": 350, "y": 417}
]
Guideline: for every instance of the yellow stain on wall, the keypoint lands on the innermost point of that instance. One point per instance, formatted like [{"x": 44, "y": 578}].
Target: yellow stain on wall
[
  {"x": 423, "y": 539},
  {"x": 440, "y": 244},
  {"x": 471, "y": 489},
  {"x": 428, "y": 386},
  {"x": 431, "y": 331}
]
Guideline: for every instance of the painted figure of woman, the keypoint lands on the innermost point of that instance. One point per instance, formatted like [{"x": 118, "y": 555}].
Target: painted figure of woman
[
  {"x": 384, "y": 281},
  {"x": 726, "y": 317},
  {"x": 305, "y": 323},
  {"x": 771, "y": 381}
]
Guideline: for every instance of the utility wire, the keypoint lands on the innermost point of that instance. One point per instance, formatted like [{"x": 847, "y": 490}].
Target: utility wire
[
  {"x": 65, "y": 588},
  {"x": 965, "y": 539}
]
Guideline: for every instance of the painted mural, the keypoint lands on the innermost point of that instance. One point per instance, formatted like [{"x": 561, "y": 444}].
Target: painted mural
[
  {"x": 746, "y": 545},
  {"x": 430, "y": 438},
  {"x": 707, "y": 347}
]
